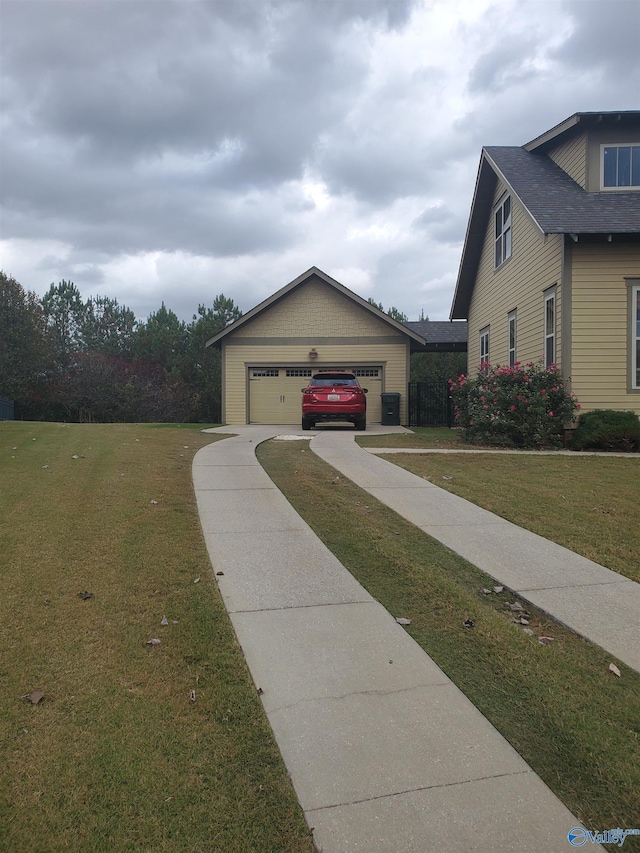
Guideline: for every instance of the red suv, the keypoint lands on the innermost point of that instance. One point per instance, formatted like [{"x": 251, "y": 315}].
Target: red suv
[{"x": 334, "y": 396}]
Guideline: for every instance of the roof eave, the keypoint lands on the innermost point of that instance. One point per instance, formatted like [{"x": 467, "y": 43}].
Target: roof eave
[{"x": 340, "y": 288}]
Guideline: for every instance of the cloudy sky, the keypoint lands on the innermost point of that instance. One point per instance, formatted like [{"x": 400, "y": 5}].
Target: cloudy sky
[{"x": 171, "y": 150}]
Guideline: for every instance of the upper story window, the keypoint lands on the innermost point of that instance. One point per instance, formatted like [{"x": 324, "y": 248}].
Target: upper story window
[
  {"x": 502, "y": 220},
  {"x": 620, "y": 166}
]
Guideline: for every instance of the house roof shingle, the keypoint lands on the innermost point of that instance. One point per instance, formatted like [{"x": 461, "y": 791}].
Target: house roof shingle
[
  {"x": 557, "y": 203},
  {"x": 441, "y": 335}
]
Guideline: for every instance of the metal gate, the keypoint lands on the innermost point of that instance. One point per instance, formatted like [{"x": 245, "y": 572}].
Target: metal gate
[{"x": 430, "y": 404}]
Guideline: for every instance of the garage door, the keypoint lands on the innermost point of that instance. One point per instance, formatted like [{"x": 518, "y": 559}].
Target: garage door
[{"x": 275, "y": 393}]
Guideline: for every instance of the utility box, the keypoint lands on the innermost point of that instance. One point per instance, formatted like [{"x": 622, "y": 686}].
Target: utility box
[{"x": 390, "y": 409}]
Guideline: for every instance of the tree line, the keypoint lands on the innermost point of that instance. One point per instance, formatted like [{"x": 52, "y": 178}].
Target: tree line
[
  {"x": 64, "y": 358},
  {"x": 68, "y": 359}
]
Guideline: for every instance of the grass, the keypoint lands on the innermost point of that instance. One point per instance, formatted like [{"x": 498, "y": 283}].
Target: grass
[
  {"x": 589, "y": 504},
  {"x": 117, "y": 757},
  {"x": 571, "y": 719},
  {"x": 419, "y": 437}
]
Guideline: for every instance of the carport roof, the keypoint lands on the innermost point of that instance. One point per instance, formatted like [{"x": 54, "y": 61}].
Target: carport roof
[{"x": 416, "y": 339}]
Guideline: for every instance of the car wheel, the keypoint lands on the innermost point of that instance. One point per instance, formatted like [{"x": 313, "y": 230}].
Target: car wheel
[
  {"x": 361, "y": 424},
  {"x": 307, "y": 423}
]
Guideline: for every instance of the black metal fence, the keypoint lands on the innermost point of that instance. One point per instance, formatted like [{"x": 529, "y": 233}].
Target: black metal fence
[
  {"x": 6, "y": 409},
  {"x": 430, "y": 404}
]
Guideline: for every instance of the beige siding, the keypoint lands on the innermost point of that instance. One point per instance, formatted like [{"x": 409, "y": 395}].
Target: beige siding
[
  {"x": 519, "y": 284},
  {"x": 600, "y": 322},
  {"x": 572, "y": 158},
  {"x": 313, "y": 316},
  {"x": 238, "y": 358},
  {"x": 315, "y": 310}
]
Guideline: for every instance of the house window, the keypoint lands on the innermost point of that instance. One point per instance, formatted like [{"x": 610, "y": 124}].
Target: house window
[
  {"x": 512, "y": 338},
  {"x": 550, "y": 329},
  {"x": 266, "y": 372},
  {"x": 635, "y": 336},
  {"x": 620, "y": 166},
  {"x": 484, "y": 347},
  {"x": 367, "y": 371},
  {"x": 502, "y": 219}
]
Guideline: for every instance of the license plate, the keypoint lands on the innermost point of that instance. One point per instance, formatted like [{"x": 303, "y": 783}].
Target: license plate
[{"x": 333, "y": 396}]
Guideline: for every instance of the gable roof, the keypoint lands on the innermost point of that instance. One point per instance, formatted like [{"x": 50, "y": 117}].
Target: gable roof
[
  {"x": 554, "y": 201},
  {"x": 416, "y": 340}
]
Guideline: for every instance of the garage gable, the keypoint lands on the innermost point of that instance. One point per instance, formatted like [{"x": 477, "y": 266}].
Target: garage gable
[
  {"x": 313, "y": 323},
  {"x": 315, "y": 310}
]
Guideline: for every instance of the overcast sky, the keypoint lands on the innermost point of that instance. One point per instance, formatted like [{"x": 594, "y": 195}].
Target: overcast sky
[{"x": 171, "y": 150}]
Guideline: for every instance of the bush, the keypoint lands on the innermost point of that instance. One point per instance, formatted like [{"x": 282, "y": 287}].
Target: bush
[
  {"x": 607, "y": 429},
  {"x": 521, "y": 406}
]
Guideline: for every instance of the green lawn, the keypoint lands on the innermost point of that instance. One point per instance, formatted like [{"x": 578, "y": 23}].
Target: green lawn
[
  {"x": 560, "y": 706},
  {"x": 117, "y": 757},
  {"x": 586, "y": 503}
]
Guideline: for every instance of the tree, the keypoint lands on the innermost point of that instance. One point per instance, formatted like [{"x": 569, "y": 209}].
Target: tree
[
  {"x": 25, "y": 355},
  {"x": 398, "y": 315},
  {"x": 66, "y": 315},
  {"x": 162, "y": 340},
  {"x": 109, "y": 328},
  {"x": 394, "y": 312},
  {"x": 437, "y": 366},
  {"x": 202, "y": 367}
]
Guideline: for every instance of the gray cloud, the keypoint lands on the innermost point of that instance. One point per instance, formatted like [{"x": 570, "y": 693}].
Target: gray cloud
[{"x": 172, "y": 150}]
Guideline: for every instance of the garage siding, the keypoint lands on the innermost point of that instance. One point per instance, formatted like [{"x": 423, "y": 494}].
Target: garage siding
[{"x": 313, "y": 317}]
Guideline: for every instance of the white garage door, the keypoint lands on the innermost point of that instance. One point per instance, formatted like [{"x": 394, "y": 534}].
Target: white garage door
[{"x": 275, "y": 393}]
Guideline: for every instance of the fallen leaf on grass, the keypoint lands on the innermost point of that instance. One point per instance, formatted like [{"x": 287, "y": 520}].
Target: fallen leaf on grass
[
  {"x": 154, "y": 641},
  {"x": 523, "y": 621},
  {"x": 197, "y": 580},
  {"x": 516, "y": 606},
  {"x": 75, "y": 456},
  {"x": 498, "y": 588},
  {"x": 153, "y": 503},
  {"x": 85, "y": 595},
  {"x": 485, "y": 591},
  {"x": 614, "y": 669},
  {"x": 468, "y": 623},
  {"x": 35, "y": 696},
  {"x": 528, "y": 631},
  {"x": 164, "y": 621},
  {"x": 402, "y": 621},
  {"x": 192, "y": 696},
  {"x": 447, "y": 478},
  {"x": 545, "y": 640}
]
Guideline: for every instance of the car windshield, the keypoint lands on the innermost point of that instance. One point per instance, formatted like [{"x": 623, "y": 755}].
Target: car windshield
[{"x": 327, "y": 379}]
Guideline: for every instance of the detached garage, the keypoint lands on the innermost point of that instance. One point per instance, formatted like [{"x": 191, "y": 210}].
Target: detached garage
[{"x": 313, "y": 323}]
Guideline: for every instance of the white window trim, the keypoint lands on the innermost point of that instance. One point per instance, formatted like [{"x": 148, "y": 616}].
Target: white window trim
[
  {"x": 616, "y": 189},
  {"x": 485, "y": 342},
  {"x": 634, "y": 335},
  {"x": 505, "y": 250},
  {"x": 512, "y": 319},
  {"x": 550, "y": 296}
]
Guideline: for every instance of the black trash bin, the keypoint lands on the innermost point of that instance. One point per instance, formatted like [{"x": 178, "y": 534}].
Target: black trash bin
[{"x": 390, "y": 409}]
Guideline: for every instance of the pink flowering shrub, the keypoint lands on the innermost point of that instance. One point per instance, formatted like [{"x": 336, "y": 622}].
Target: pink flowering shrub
[{"x": 521, "y": 406}]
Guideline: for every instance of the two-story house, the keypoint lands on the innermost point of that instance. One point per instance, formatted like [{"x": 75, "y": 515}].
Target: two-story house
[{"x": 550, "y": 267}]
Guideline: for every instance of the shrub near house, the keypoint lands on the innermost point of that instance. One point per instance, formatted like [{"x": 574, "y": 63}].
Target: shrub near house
[{"x": 520, "y": 406}]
